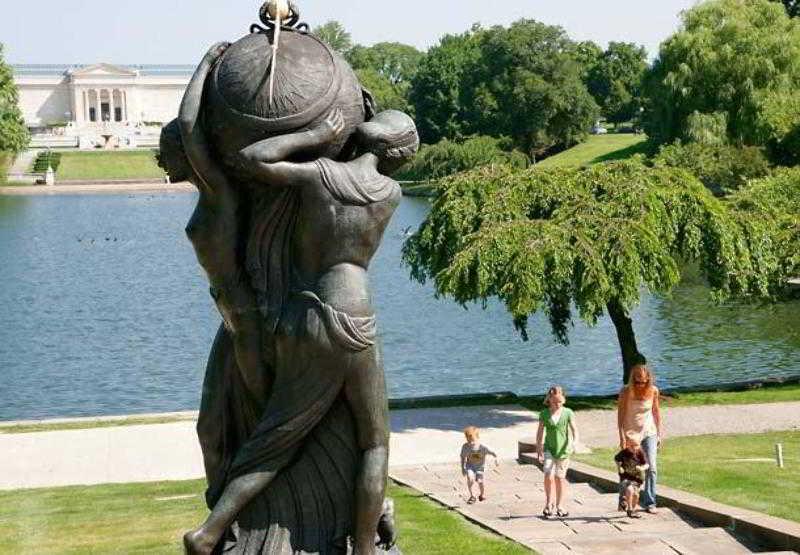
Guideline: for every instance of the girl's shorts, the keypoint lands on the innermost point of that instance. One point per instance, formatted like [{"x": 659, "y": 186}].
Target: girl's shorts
[
  {"x": 474, "y": 472},
  {"x": 553, "y": 466},
  {"x": 625, "y": 484}
]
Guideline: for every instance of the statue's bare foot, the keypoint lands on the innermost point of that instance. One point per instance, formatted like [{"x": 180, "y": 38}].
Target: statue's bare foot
[
  {"x": 365, "y": 548},
  {"x": 198, "y": 542}
]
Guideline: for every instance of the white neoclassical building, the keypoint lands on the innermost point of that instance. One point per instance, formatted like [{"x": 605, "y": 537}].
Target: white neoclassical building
[{"x": 89, "y": 102}]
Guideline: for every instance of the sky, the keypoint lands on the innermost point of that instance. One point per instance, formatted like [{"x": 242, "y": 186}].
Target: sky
[{"x": 180, "y": 31}]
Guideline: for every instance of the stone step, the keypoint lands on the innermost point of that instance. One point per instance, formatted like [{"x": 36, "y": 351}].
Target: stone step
[
  {"x": 697, "y": 541},
  {"x": 640, "y": 545},
  {"x": 701, "y": 541}
]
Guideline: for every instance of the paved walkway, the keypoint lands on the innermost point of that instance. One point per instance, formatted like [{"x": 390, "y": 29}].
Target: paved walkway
[
  {"x": 516, "y": 494},
  {"x": 152, "y": 452},
  {"x": 598, "y": 427},
  {"x": 23, "y": 162}
]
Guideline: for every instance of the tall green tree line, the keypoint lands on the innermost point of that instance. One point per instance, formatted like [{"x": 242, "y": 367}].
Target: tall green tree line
[
  {"x": 528, "y": 82},
  {"x": 731, "y": 74}
]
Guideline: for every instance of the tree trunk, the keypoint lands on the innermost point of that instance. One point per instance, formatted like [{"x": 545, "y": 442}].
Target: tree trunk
[{"x": 626, "y": 337}]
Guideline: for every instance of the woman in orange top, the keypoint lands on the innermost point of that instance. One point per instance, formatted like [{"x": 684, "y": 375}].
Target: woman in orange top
[{"x": 639, "y": 419}]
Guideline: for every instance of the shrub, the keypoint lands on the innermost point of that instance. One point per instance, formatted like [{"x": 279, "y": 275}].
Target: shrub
[
  {"x": 721, "y": 168},
  {"x": 449, "y": 157},
  {"x": 45, "y": 159},
  {"x": 780, "y": 125},
  {"x": 5, "y": 162},
  {"x": 775, "y": 199},
  {"x": 778, "y": 192}
]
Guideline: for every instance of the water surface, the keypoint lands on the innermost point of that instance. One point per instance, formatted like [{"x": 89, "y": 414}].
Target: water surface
[{"x": 105, "y": 311}]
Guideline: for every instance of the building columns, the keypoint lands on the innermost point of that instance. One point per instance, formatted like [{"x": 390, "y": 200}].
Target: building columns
[
  {"x": 76, "y": 115},
  {"x": 98, "y": 112}
]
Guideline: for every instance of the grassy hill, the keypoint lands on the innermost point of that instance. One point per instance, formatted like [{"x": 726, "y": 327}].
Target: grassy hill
[
  {"x": 121, "y": 164},
  {"x": 598, "y": 148}
]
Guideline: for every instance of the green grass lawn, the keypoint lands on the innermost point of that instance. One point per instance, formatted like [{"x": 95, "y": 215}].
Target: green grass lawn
[
  {"x": 86, "y": 424},
  {"x": 598, "y": 148},
  {"x": 123, "y": 164},
  {"x": 151, "y": 518},
  {"x": 717, "y": 467}
]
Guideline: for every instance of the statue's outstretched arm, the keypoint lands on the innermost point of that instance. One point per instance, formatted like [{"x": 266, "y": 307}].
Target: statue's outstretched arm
[
  {"x": 283, "y": 147},
  {"x": 265, "y": 160},
  {"x": 194, "y": 141},
  {"x": 284, "y": 174}
]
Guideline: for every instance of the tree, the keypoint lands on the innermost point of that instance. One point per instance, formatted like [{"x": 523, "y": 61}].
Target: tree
[
  {"x": 527, "y": 85},
  {"x": 386, "y": 69},
  {"x": 736, "y": 58},
  {"x": 523, "y": 82},
  {"x": 387, "y": 95},
  {"x": 335, "y": 36},
  {"x": 615, "y": 80},
  {"x": 396, "y": 61},
  {"x": 436, "y": 89},
  {"x": 14, "y": 136},
  {"x": 587, "y": 54},
  {"x": 587, "y": 241}
]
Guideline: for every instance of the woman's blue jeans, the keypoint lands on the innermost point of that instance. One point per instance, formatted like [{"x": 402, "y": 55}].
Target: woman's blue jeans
[{"x": 647, "y": 498}]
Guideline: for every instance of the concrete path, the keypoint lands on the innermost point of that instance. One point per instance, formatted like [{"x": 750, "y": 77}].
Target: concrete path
[
  {"x": 513, "y": 509},
  {"x": 22, "y": 163},
  {"x": 598, "y": 427},
  {"x": 139, "y": 453}
]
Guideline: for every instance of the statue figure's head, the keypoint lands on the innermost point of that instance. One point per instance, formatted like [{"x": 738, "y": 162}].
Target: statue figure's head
[
  {"x": 392, "y": 136},
  {"x": 171, "y": 156}
]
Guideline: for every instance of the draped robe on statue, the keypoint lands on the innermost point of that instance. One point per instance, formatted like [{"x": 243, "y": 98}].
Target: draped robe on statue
[{"x": 304, "y": 430}]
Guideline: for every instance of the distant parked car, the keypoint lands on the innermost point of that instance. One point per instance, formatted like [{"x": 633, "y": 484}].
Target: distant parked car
[{"x": 598, "y": 129}]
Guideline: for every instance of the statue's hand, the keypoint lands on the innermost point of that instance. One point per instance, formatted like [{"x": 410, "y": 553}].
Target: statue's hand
[{"x": 330, "y": 128}]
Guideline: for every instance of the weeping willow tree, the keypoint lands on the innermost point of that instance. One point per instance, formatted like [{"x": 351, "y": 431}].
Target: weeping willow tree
[{"x": 584, "y": 242}]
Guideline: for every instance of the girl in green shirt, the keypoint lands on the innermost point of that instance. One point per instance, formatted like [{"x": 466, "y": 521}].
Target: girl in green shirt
[{"x": 558, "y": 429}]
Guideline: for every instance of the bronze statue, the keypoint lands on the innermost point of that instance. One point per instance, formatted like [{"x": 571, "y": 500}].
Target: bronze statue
[{"x": 294, "y": 200}]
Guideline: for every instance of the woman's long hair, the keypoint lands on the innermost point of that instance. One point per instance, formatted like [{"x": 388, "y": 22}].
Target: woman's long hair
[{"x": 647, "y": 392}]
